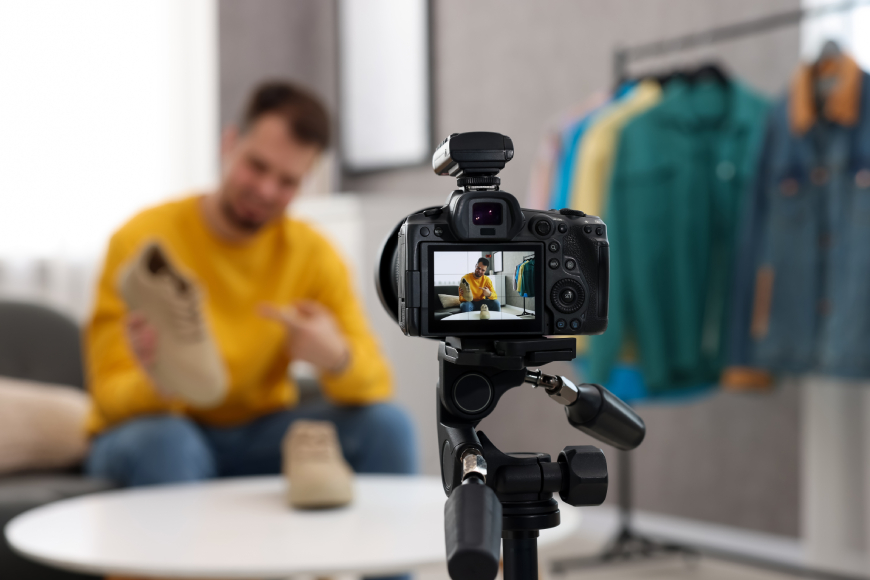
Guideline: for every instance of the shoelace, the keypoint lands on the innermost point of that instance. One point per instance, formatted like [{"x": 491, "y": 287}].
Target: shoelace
[{"x": 186, "y": 320}]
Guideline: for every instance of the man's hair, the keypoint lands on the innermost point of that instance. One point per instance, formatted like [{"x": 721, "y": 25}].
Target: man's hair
[
  {"x": 305, "y": 115},
  {"x": 484, "y": 261}
]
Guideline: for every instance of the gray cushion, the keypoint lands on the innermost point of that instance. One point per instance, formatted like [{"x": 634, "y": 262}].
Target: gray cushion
[
  {"x": 39, "y": 344},
  {"x": 435, "y": 304}
]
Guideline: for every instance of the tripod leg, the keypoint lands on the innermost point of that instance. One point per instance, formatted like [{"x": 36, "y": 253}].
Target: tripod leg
[
  {"x": 625, "y": 507},
  {"x": 520, "y": 555}
]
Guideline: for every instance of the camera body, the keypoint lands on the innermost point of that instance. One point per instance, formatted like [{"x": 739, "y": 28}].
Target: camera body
[
  {"x": 569, "y": 249},
  {"x": 481, "y": 266}
]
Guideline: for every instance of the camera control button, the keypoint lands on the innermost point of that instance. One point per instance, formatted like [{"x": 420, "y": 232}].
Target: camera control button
[
  {"x": 563, "y": 228},
  {"x": 570, "y": 264},
  {"x": 599, "y": 231},
  {"x": 424, "y": 231},
  {"x": 553, "y": 246},
  {"x": 575, "y": 324},
  {"x": 561, "y": 324},
  {"x": 553, "y": 263},
  {"x": 587, "y": 229},
  {"x": 439, "y": 231},
  {"x": 543, "y": 228},
  {"x": 567, "y": 296}
]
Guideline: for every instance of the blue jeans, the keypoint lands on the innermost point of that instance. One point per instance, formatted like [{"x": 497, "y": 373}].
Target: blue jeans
[
  {"x": 167, "y": 448},
  {"x": 493, "y": 305}
]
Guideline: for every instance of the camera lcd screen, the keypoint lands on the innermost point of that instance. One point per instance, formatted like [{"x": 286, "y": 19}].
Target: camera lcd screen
[
  {"x": 468, "y": 295},
  {"x": 486, "y": 214}
]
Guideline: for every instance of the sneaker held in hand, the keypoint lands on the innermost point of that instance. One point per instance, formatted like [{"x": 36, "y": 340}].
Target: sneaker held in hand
[
  {"x": 465, "y": 291},
  {"x": 313, "y": 463},
  {"x": 187, "y": 363}
]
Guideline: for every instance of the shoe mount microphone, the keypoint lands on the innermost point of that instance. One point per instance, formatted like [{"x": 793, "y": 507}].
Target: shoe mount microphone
[{"x": 495, "y": 496}]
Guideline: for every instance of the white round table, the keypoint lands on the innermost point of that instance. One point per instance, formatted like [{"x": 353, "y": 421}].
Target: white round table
[
  {"x": 242, "y": 528},
  {"x": 494, "y": 315}
]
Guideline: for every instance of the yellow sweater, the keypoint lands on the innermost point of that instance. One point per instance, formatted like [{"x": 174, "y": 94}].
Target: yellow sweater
[
  {"x": 285, "y": 262},
  {"x": 477, "y": 285}
]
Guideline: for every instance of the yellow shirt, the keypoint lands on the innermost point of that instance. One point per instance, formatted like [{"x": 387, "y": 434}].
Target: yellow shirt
[
  {"x": 284, "y": 262},
  {"x": 477, "y": 285},
  {"x": 595, "y": 155}
]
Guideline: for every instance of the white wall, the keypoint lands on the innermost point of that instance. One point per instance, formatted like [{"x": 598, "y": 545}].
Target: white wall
[{"x": 105, "y": 107}]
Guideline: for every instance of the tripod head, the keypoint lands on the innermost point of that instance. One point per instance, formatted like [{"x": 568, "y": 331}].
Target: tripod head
[{"x": 492, "y": 494}]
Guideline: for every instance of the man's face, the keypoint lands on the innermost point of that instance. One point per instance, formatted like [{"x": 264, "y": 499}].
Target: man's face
[
  {"x": 479, "y": 270},
  {"x": 262, "y": 171}
]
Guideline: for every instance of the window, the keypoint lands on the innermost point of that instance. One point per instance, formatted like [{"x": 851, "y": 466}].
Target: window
[
  {"x": 106, "y": 107},
  {"x": 384, "y": 76}
]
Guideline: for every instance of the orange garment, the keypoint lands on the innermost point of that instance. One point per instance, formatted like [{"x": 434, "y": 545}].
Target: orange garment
[{"x": 841, "y": 106}]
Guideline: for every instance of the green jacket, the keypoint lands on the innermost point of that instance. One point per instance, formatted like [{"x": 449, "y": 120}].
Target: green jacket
[
  {"x": 678, "y": 183},
  {"x": 528, "y": 282}
]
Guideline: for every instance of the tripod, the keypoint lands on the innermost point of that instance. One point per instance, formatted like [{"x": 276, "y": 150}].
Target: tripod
[{"x": 509, "y": 496}]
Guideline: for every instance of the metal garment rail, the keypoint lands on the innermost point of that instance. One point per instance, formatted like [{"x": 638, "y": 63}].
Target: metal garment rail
[
  {"x": 628, "y": 544},
  {"x": 623, "y": 56}
]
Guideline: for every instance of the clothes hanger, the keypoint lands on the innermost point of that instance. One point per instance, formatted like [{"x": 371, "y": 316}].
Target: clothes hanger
[
  {"x": 830, "y": 51},
  {"x": 825, "y": 71},
  {"x": 709, "y": 71}
]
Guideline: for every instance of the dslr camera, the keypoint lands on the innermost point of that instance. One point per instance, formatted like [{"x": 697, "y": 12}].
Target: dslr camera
[{"x": 481, "y": 266}]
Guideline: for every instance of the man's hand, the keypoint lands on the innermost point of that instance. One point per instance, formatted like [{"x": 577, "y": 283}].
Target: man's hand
[
  {"x": 487, "y": 292},
  {"x": 313, "y": 334},
  {"x": 142, "y": 337}
]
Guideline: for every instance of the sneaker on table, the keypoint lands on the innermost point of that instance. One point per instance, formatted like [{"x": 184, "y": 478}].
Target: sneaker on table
[{"x": 313, "y": 463}]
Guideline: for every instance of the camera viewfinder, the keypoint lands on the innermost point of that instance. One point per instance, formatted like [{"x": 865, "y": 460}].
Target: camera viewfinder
[{"x": 487, "y": 214}]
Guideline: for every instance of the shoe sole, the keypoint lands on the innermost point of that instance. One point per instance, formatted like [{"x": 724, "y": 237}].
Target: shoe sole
[{"x": 318, "y": 496}]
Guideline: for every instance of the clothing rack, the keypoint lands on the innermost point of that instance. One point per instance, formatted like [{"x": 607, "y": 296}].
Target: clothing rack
[
  {"x": 524, "y": 313},
  {"x": 629, "y": 544},
  {"x": 623, "y": 56}
]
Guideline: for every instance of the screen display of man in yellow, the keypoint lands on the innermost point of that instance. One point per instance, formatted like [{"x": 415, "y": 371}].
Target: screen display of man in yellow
[{"x": 480, "y": 288}]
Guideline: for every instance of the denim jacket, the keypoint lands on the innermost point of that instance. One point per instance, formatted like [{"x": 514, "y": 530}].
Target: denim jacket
[{"x": 802, "y": 279}]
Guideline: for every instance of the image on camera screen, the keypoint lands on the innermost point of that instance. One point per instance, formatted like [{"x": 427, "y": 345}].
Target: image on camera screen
[{"x": 484, "y": 285}]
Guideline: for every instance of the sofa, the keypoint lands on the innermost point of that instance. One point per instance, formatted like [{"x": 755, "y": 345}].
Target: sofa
[
  {"x": 435, "y": 305},
  {"x": 39, "y": 344}
]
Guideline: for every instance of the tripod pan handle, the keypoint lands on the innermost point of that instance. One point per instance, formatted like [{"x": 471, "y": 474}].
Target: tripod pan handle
[
  {"x": 603, "y": 415},
  {"x": 472, "y": 526}
]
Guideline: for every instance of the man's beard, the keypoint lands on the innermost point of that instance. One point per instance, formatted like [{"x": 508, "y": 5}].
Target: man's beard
[
  {"x": 237, "y": 220},
  {"x": 476, "y": 275}
]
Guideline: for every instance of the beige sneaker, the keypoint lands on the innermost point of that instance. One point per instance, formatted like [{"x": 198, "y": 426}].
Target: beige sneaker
[
  {"x": 187, "y": 363},
  {"x": 319, "y": 476},
  {"x": 484, "y": 312},
  {"x": 465, "y": 290}
]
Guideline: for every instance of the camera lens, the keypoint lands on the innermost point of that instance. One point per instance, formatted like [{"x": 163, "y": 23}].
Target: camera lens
[{"x": 486, "y": 214}]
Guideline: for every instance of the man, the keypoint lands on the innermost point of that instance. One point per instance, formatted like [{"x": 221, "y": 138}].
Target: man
[
  {"x": 274, "y": 291},
  {"x": 482, "y": 290}
]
